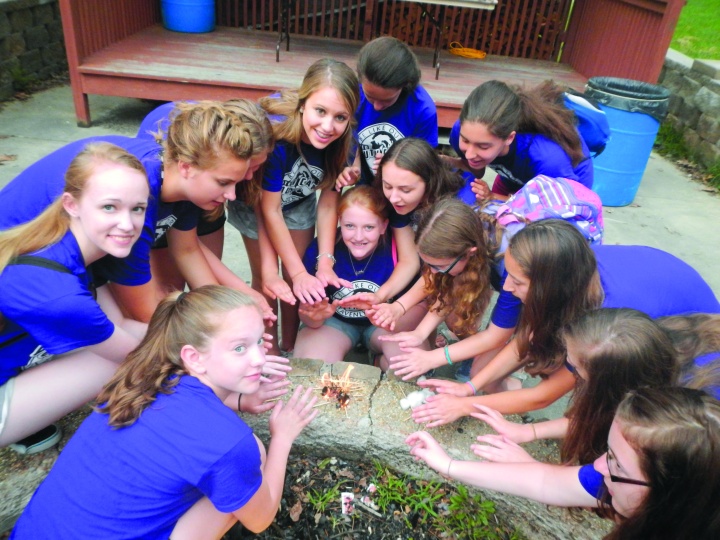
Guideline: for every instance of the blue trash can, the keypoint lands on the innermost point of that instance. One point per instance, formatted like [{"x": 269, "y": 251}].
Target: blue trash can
[
  {"x": 634, "y": 111},
  {"x": 189, "y": 16}
]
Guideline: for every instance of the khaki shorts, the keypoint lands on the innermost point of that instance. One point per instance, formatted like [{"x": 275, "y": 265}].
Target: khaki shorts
[
  {"x": 6, "y": 394},
  {"x": 298, "y": 218}
]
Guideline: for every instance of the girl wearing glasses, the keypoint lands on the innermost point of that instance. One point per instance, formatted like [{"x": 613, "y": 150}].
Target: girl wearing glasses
[
  {"x": 613, "y": 351},
  {"x": 663, "y": 446},
  {"x": 557, "y": 277}
]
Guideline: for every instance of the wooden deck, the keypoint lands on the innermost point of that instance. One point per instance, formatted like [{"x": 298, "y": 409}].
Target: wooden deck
[{"x": 230, "y": 62}]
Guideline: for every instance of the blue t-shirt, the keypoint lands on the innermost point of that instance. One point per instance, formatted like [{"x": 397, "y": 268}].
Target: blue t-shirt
[
  {"x": 367, "y": 275},
  {"x": 294, "y": 175},
  {"x": 137, "y": 481},
  {"x": 531, "y": 154},
  {"x": 48, "y": 311},
  {"x": 413, "y": 115},
  {"x": 38, "y": 186},
  {"x": 638, "y": 277},
  {"x": 157, "y": 120},
  {"x": 591, "y": 480}
]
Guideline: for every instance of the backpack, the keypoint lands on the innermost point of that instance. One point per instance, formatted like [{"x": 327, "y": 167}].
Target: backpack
[
  {"x": 592, "y": 122},
  {"x": 549, "y": 198}
]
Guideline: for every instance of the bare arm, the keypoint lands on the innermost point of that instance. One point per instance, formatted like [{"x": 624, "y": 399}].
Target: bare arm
[
  {"x": 286, "y": 423},
  {"x": 548, "y": 484},
  {"x": 306, "y": 287},
  {"x": 407, "y": 266},
  {"x": 186, "y": 250}
]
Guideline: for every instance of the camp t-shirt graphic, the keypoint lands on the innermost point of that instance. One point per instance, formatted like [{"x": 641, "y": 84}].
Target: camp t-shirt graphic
[
  {"x": 300, "y": 182},
  {"x": 358, "y": 286},
  {"x": 377, "y": 139}
]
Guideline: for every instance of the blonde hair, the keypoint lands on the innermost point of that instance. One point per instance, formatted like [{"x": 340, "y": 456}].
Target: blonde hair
[
  {"x": 325, "y": 73},
  {"x": 155, "y": 366},
  {"x": 52, "y": 224}
]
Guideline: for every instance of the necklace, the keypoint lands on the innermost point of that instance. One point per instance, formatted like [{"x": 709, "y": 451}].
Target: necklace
[{"x": 361, "y": 272}]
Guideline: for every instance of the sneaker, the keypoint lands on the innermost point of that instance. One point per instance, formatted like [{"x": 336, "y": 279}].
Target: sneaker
[{"x": 37, "y": 442}]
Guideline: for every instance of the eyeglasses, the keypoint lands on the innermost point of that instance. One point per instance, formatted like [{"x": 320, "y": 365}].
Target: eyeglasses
[
  {"x": 620, "y": 479},
  {"x": 447, "y": 270}
]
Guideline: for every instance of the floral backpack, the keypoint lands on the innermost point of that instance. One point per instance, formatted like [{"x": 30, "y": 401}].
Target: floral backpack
[{"x": 544, "y": 197}]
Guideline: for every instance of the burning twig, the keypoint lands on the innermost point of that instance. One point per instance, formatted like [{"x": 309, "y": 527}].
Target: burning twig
[{"x": 339, "y": 389}]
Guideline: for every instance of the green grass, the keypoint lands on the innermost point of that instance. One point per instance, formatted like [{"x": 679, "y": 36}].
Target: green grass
[
  {"x": 697, "y": 33},
  {"x": 670, "y": 143}
]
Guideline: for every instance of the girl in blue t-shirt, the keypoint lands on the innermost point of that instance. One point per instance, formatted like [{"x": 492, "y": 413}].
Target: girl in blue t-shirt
[
  {"x": 312, "y": 127},
  {"x": 412, "y": 177},
  {"x": 557, "y": 277},
  {"x": 165, "y": 454},
  {"x": 363, "y": 258},
  {"x": 47, "y": 303},
  {"x": 519, "y": 134},
  {"x": 208, "y": 150},
  {"x": 613, "y": 351},
  {"x": 210, "y": 226},
  {"x": 658, "y": 478},
  {"x": 393, "y": 106}
]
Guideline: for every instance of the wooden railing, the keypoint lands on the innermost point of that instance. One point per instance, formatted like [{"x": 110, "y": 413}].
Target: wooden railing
[{"x": 530, "y": 29}]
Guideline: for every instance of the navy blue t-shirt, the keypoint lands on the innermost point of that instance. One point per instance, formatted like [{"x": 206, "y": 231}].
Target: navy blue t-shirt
[
  {"x": 294, "y": 175},
  {"x": 367, "y": 275}
]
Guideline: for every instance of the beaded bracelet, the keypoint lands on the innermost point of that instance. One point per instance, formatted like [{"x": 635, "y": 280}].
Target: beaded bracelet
[
  {"x": 447, "y": 355},
  {"x": 472, "y": 386}
]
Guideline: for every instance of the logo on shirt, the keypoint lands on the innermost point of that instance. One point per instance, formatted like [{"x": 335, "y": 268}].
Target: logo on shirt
[
  {"x": 377, "y": 139},
  {"x": 162, "y": 226},
  {"x": 300, "y": 181},
  {"x": 37, "y": 357},
  {"x": 359, "y": 286}
]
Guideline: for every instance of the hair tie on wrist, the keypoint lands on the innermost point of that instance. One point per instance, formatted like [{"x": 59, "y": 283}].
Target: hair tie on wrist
[
  {"x": 448, "y": 471},
  {"x": 472, "y": 386},
  {"x": 534, "y": 432},
  {"x": 402, "y": 306},
  {"x": 447, "y": 355}
]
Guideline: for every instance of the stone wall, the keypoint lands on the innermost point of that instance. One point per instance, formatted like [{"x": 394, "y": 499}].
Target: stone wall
[
  {"x": 31, "y": 43},
  {"x": 694, "y": 103}
]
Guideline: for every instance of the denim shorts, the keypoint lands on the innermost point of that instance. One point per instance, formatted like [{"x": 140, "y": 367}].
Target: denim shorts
[
  {"x": 298, "y": 218},
  {"x": 6, "y": 394},
  {"x": 356, "y": 332}
]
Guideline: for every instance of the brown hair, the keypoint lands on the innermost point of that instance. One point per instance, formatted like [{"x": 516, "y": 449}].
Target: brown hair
[
  {"x": 447, "y": 230},
  {"x": 155, "y": 366},
  {"x": 418, "y": 157},
  {"x": 503, "y": 109},
  {"x": 676, "y": 433},
  {"x": 388, "y": 63},
  {"x": 621, "y": 350},
  {"x": 324, "y": 73},
  {"x": 564, "y": 284}
]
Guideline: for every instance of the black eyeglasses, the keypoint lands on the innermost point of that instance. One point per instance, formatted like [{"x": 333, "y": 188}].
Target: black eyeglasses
[
  {"x": 620, "y": 479},
  {"x": 447, "y": 270}
]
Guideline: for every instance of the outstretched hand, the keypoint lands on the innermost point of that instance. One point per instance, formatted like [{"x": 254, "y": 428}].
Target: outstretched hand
[
  {"x": 385, "y": 315},
  {"x": 319, "y": 312},
  {"x": 438, "y": 410},
  {"x": 442, "y": 386},
  {"x": 363, "y": 300},
  {"x": 276, "y": 366},
  {"x": 289, "y": 419},
  {"x": 412, "y": 363},
  {"x": 519, "y": 433},
  {"x": 500, "y": 449},
  {"x": 276, "y": 288},
  {"x": 424, "y": 447},
  {"x": 260, "y": 401},
  {"x": 348, "y": 177},
  {"x": 308, "y": 289}
]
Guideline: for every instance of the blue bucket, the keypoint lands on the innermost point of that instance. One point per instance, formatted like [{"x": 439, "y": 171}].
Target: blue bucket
[
  {"x": 620, "y": 168},
  {"x": 634, "y": 110},
  {"x": 189, "y": 16}
]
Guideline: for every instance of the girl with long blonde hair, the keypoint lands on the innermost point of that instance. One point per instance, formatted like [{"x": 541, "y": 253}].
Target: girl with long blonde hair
[{"x": 49, "y": 309}]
